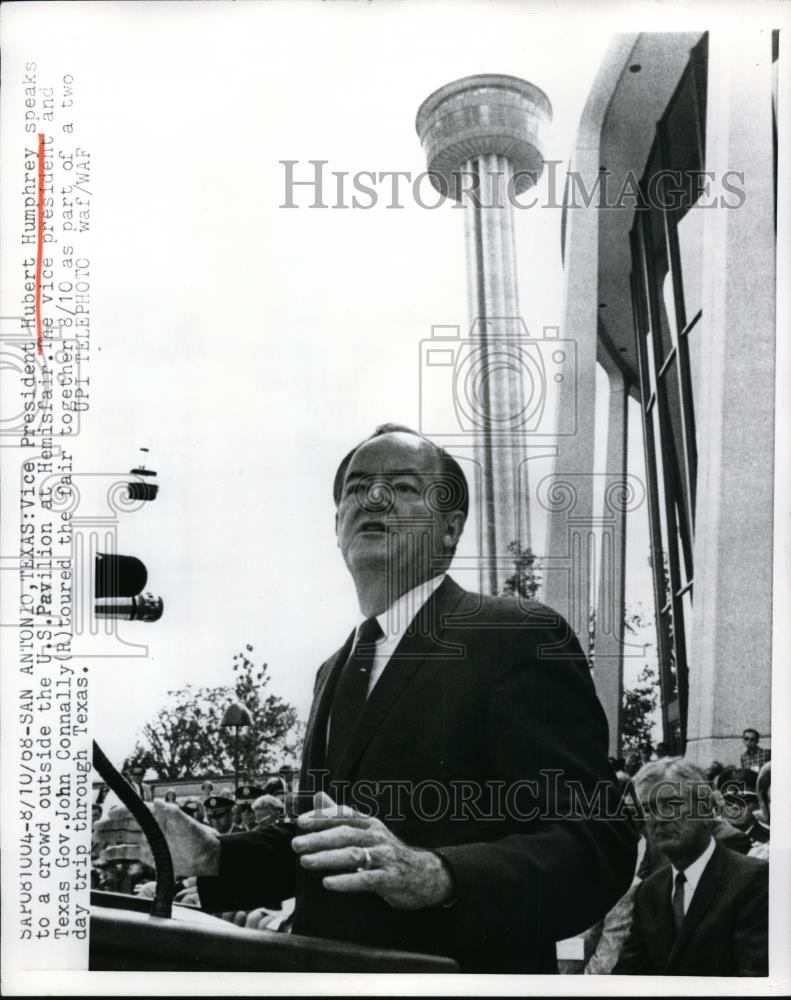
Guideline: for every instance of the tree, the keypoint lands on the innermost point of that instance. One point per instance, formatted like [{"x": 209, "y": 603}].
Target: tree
[
  {"x": 638, "y": 711},
  {"x": 185, "y": 738},
  {"x": 639, "y": 705},
  {"x": 525, "y": 581},
  {"x": 592, "y": 637}
]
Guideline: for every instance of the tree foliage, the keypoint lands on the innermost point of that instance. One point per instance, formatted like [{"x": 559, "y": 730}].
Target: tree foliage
[
  {"x": 638, "y": 709},
  {"x": 637, "y": 713},
  {"x": 185, "y": 738},
  {"x": 525, "y": 581}
]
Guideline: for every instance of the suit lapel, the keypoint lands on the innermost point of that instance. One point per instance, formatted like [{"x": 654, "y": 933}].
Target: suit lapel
[
  {"x": 315, "y": 753},
  {"x": 421, "y": 639},
  {"x": 705, "y": 895},
  {"x": 662, "y": 916}
]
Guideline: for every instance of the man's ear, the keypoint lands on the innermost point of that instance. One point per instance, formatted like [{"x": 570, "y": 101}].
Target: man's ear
[
  {"x": 337, "y": 541},
  {"x": 454, "y": 526}
]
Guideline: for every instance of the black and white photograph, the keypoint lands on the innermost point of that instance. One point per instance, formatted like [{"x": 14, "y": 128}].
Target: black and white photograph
[{"x": 395, "y": 498}]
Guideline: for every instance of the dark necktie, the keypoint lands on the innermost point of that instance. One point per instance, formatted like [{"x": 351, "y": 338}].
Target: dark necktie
[
  {"x": 351, "y": 692},
  {"x": 678, "y": 899}
]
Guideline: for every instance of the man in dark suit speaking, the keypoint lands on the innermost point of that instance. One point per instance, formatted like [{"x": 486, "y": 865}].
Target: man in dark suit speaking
[{"x": 458, "y": 754}]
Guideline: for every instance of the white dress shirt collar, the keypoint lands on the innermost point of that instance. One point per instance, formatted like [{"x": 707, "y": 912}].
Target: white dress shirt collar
[
  {"x": 395, "y": 620},
  {"x": 694, "y": 872}
]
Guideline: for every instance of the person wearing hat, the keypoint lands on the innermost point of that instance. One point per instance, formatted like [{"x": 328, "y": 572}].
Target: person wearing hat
[
  {"x": 219, "y": 813},
  {"x": 738, "y": 794},
  {"x": 274, "y": 787},
  {"x": 243, "y": 817},
  {"x": 248, "y": 792}
]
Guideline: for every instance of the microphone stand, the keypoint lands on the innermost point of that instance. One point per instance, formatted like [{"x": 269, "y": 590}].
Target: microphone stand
[{"x": 166, "y": 882}]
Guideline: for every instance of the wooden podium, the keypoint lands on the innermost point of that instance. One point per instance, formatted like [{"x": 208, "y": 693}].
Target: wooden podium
[{"x": 125, "y": 937}]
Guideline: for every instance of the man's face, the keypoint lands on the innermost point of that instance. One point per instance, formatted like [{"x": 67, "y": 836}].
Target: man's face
[
  {"x": 389, "y": 520},
  {"x": 739, "y": 809},
  {"x": 260, "y": 813},
  {"x": 221, "y": 821},
  {"x": 676, "y": 822},
  {"x": 750, "y": 740}
]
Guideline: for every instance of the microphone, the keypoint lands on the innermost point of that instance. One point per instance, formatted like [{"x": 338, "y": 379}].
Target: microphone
[
  {"x": 119, "y": 576},
  {"x": 141, "y": 608}
]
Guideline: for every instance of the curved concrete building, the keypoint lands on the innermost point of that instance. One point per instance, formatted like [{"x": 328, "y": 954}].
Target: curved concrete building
[{"x": 670, "y": 287}]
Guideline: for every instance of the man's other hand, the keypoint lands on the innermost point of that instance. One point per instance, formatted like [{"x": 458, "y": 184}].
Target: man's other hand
[
  {"x": 195, "y": 848},
  {"x": 357, "y": 853}
]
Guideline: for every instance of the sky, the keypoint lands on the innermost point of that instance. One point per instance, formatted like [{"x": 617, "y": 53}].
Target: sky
[{"x": 248, "y": 345}]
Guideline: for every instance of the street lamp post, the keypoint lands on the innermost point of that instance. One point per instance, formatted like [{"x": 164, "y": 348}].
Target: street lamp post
[
  {"x": 238, "y": 716},
  {"x": 286, "y": 775}
]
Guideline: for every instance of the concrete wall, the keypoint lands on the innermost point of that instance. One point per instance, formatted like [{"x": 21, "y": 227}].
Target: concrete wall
[
  {"x": 730, "y": 657},
  {"x": 730, "y": 663}
]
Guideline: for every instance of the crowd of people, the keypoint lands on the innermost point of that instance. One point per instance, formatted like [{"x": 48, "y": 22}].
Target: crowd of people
[
  {"x": 706, "y": 818},
  {"x": 127, "y": 868}
]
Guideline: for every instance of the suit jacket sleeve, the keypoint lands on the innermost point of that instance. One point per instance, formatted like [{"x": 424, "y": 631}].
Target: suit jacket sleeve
[
  {"x": 634, "y": 959},
  {"x": 752, "y": 928},
  {"x": 561, "y": 869},
  {"x": 256, "y": 869}
]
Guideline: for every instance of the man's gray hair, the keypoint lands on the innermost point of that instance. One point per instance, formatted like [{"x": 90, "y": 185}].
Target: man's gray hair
[
  {"x": 268, "y": 802},
  {"x": 677, "y": 770}
]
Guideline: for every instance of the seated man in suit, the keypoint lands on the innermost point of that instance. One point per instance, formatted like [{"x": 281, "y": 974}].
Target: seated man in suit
[
  {"x": 706, "y": 913},
  {"x": 461, "y": 738}
]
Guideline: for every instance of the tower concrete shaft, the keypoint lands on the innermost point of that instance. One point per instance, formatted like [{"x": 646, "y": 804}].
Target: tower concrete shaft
[
  {"x": 494, "y": 302},
  {"x": 483, "y": 142}
]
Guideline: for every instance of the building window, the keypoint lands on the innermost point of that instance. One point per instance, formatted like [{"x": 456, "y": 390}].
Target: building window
[{"x": 666, "y": 249}]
